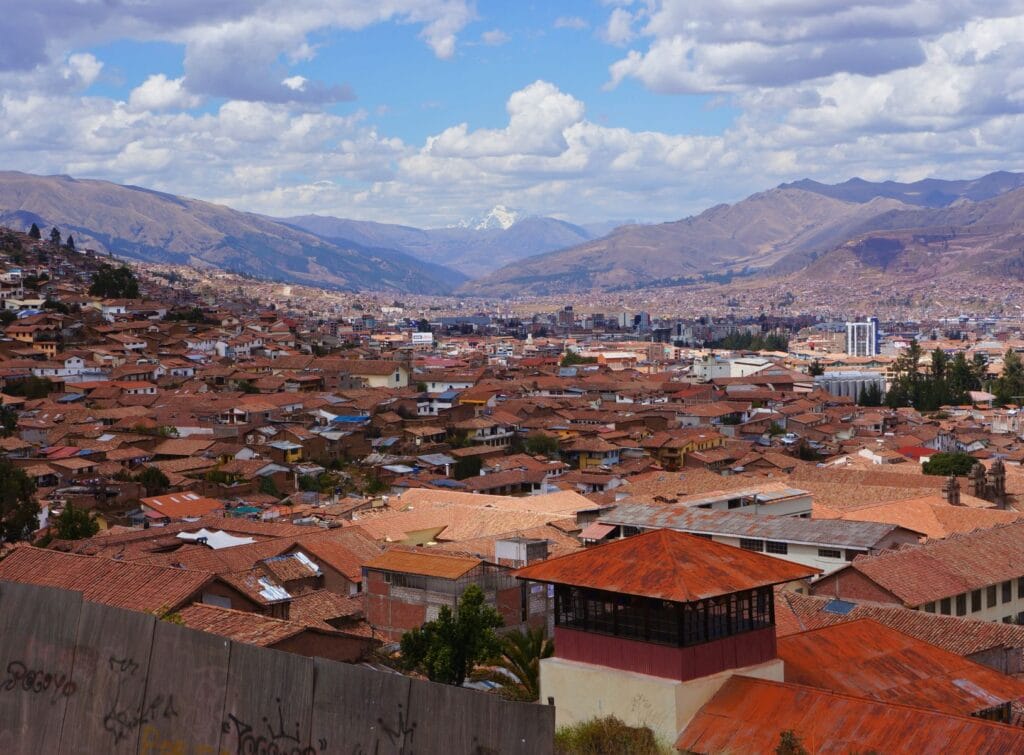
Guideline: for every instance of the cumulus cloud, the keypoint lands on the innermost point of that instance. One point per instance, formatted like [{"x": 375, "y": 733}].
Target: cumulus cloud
[
  {"x": 619, "y": 29},
  {"x": 158, "y": 92},
  {"x": 728, "y": 45},
  {"x": 234, "y": 48}
]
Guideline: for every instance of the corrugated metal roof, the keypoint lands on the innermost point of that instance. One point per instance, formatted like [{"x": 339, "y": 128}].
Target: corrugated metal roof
[
  {"x": 747, "y": 715},
  {"x": 790, "y": 529},
  {"x": 866, "y": 659},
  {"x": 425, "y": 564},
  {"x": 668, "y": 565}
]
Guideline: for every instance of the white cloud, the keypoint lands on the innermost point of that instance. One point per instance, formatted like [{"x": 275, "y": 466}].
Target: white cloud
[
  {"x": 728, "y": 45},
  {"x": 494, "y": 37},
  {"x": 158, "y": 92},
  {"x": 571, "y": 22},
  {"x": 234, "y": 48},
  {"x": 619, "y": 29}
]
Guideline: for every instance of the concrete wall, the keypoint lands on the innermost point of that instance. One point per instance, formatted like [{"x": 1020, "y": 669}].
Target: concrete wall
[{"x": 82, "y": 678}]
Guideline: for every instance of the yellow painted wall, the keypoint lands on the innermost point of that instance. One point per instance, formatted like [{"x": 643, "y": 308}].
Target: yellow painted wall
[{"x": 583, "y": 691}]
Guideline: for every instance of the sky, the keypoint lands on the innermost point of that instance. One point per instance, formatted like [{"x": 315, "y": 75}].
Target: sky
[{"x": 427, "y": 112}]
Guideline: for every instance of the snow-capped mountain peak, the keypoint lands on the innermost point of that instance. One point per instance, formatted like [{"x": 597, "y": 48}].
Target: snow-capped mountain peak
[{"x": 497, "y": 218}]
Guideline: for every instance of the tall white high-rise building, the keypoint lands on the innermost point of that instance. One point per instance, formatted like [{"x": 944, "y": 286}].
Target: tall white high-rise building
[{"x": 862, "y": 338}]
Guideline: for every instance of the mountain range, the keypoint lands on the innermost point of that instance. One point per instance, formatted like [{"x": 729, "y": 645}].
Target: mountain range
[
  {"x": 823, "y": 231},
  {"x": 475, "y": 249},
  {"x": 790, "y": 228}
]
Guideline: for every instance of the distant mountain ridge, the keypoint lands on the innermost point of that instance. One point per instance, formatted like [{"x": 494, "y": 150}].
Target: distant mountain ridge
[
  {"x": 148, "y": 225},
  {"x": 475, "y": 250},
  {"x": 778, "y": 231}
]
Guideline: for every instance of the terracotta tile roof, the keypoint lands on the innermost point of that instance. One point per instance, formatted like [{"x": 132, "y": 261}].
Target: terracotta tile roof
[
  {"x": 795, "y": 613},
  {"x": 747, "y": 715},
  {"x": 866, "y": 659},
  {"x": 668, "y": 565},
  {"x": 943, "y": 568},
  {"x": 135, "y": 586},
  {"x": 423, "y": 563},
  {"x": 241, "y": 626},
  {"x": 343, "y": 549},
  {"x": 318, "y": 607},
  {"x": 930, "y": 515}
]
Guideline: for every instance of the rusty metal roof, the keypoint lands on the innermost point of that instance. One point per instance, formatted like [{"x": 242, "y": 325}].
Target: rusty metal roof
[
  {"x": 668, "y": 565},
  {"x": 866, "y": 659},
  {"x": 424, "y": 564},
  {"x": 748, "y": 715},
  {"x": 791, "y": 529}
]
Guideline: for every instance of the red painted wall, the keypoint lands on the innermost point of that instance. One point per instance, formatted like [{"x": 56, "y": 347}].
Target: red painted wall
[{"x": 666, "y": 661}]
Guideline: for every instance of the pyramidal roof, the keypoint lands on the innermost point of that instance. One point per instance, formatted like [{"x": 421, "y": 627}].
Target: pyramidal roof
[{"x": 667, "y": 565}]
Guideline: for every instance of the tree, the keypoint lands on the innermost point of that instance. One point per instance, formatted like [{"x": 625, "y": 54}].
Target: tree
[
  {"x": 946, "y": 464},
  {"x": 267, "y": 486},
  {"x": 423, "y": 326},
  {"x": 71, "y": 242},
  {"x": 906, "y": 385},
  {"x": 7, "y": 316},
  {"x": 519, "y": 663},
  {"x": 790, "y": 744},
  {"x": 19, "y": 511},
  {"x": 571, "y": 359},
  {"x": 153, "y": 480},
  {"x": 870, "y": 395},
  {"x": 31, "y": 387},
  {"x": 1010, "y": 385},
  {"x": 541, "y": 444},
  {"x": 111, "y": 282},
  {"x": 55, "y": 236},
  {"x": 959, "y": 379},
  {"x": 447, "y": 648},
  {"x": 467, "y": 466},
  {"x": 33, "y": 232},
  {"x": 75, "y": 524},
  {"x": 8, "y": 420},
  {"x": 815, "y": 368}
]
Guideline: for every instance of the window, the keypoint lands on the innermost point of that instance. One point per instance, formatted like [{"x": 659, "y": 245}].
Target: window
[
  {"x": 850, "y": 555},
  {"x": 929, "y": 607},
  {"x": 1007, "y": 591},
  {"x": 945, "y": 607},
  {"x": 751, "y": 545},
  {"x": 829, "y": 553},
  {"x": 1020, "y": 587},
  {"x": 774, "y": 547},
  {"x": 1007, "y": 619},
  {"x": 961, "y": 605},
  {"x": 990, "y": 596},
  {"x": 734, "y": 503},
  {"x": 975, "y": 601}
]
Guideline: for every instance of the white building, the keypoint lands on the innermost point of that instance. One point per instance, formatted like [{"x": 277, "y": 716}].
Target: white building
[{"x": 862, "y": 338}]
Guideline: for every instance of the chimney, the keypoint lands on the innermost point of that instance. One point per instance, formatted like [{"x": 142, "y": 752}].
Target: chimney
[{"x": 951, "y": 491}]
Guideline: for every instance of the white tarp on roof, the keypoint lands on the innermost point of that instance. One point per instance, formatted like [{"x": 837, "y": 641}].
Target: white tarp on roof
[{"x": 216, "y": 539}]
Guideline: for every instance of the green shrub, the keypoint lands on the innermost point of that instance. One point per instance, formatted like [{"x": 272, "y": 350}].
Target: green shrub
[{"x": 607, "y": 736}]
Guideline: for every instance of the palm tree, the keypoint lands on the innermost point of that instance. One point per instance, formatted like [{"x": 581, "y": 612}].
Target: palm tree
[{"x": 517, "y": 666}]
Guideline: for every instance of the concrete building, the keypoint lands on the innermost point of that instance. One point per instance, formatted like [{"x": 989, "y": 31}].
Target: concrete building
[
  {"x": 862, "y": 338},
  {"x": 850, "y": 383}
]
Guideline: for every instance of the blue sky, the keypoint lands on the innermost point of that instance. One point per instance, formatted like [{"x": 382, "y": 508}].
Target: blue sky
[{"x": 430, "y": 111}]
